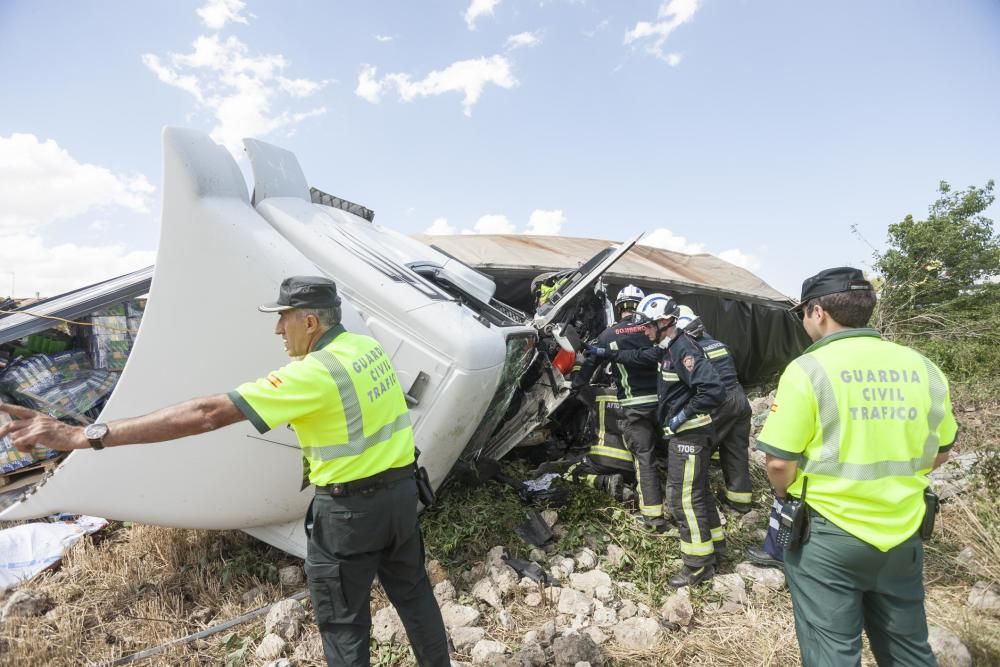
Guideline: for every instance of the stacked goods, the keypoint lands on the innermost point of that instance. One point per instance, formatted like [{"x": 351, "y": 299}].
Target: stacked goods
[{"x": 110, "y": 342}]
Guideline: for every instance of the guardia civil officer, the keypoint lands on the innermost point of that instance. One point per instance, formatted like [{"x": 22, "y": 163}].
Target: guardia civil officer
[
  {"x": 359, "y": 446},
  {"x": 636, "y": 385},
  {"x": 856, "y": 425},
  {"x": 731, "y": 419},
  {"x": 689, "y": 390}
]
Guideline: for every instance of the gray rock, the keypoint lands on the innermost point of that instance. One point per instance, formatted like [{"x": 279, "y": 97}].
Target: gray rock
[
  {"x": 616, "y": 556},
  {"x": 760, "y": 535},
  {"x": 750, "y": 519},
  {"x": 595, "y": 634},
  {"x": 588, "y": 582},
  {"x": 485, "y": 649},
  {"x": 678, "y": 609},
  {"x": 948, "y": 648},
  {"x": 585, "y": 559},
  {"x": 560, "y": 531},
  {"x": 574, "y": 602},
  {"x": 571, "y": 649},
  {"x": 487, "y": 591},
  {"x": 505, "y": 578},
  {"x": 552, "y": 594},
  {"x": 291, "y": 576},
  {"x": 568, "y": 565},
  {"x": 967, "y": 559},
  {"x": 387, "y": 627},
  {"x": 444, "y": 591},
  {"x": 271, "y": 647},
  {"x": 558, "y": 573},
  {"x": 547, "y": 632},
  {"x": 579, "y": 622},
  {"x": 605, "y": 617},
  {"x": 537, "y": 555},
  {"x": 25, "y": 604},
  {"x": 494, "y": 558},
  {"x": 731, "y": 587},
  {"x": 533, "y": 599},
  {"x": 627, "y": 610},
  {"x": 285, "y": 619},
  {"x": 531, "y": 655},
  {"x": 984, "y": 596},
  {"x": 466, "y": 638},
  {"x": 638, "y": 634},
  {"x": 550, "y": 517},
  {"x": 505, "y": 620},
  {"x": 459, "y": 615},
  {"x": 310, "y": 650},
  {"x": 771, "y": 577},
  {"x": 530, "y": 636},
  {"x": 604, "y": 593},
  {"x": 280, "y": 662},
  {"x": 474, "y": 574}
]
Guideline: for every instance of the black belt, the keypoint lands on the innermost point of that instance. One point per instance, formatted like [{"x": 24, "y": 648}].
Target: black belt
[{"x": 357, "y": 486}]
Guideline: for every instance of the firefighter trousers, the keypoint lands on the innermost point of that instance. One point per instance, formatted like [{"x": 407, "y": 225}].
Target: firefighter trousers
[
  {"x": 732, "y": 436},
  {"x": 641, "y": 434},
  {"x": 354, "y": 538},
  {"x": 702, "y": 537}
]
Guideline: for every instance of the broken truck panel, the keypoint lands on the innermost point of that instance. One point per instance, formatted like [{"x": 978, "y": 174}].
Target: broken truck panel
[{"x": 469, "y": 364}]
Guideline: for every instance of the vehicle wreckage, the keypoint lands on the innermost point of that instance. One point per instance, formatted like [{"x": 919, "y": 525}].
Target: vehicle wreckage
[{"x": 480, "y": 375}]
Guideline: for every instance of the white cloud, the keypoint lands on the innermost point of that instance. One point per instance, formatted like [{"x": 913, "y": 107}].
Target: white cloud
[
  {"x": 216, "y": 13},
  {"x": 479, "y": 8},
  {"x": 666, "y": 239},
  {"x": 383, "y": 38},
  {"x": 440, "y": 227},
  {"x": 741, "y": 259},
  {"x": 239, "y": 89},
  {"x": 466, "y": 76},
  {"x": 522, "y": 39},
  {"x": 43, "y": 183},
  {"x": 369, "y": 87},
  {"x": 672, "y": 15},
  {"x": 491, "y": 224},
  {"x": 547, "y": 223},
  {"x": 54, "y": 269}
]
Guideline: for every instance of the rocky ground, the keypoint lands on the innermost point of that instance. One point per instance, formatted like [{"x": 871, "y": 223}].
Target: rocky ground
[{"x": 606, "y": 601}]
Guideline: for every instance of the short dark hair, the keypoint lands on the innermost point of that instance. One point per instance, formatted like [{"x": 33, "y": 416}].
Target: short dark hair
[
  {"x": 328, "y": 317},
  {"x": 850, "y": 309}
]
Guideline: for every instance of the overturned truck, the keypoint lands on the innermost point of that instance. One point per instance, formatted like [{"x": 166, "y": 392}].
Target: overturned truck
[{"x": 477, "y": 371}]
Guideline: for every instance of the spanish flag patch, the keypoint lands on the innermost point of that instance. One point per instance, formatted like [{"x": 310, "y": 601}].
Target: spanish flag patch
[{"x": 274, "y": 380}]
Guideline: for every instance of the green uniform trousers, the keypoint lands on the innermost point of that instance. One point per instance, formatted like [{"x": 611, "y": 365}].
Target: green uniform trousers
[
  {"x": 840, "y": 584},
  {"x": 353, "y": 538}
]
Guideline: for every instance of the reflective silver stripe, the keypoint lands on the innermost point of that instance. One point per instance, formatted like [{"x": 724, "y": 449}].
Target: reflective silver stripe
[
  {"x": 626, "y": 387},
  {"x": 336, "y": 451},
  {"x": 939, "y": 392},
  {"x": 357, "y": 441},
  {"x": 829, "y": 462},
  {"x": 639, "y": 400}
]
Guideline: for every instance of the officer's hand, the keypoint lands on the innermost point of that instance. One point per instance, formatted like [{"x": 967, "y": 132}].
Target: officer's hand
[
  {"x": 677, "y": 420},
  {"x": 599, "y": 352},
  {"x": 34, "y": 429}
]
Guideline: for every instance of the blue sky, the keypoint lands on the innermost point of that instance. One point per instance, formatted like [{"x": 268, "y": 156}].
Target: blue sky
[{"x": 756, "y": 130}]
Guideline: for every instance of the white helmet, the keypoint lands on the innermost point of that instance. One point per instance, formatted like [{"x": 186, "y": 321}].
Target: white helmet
[
  {"x": 685, "y": 316},
  {"x": 657, "y": 307},
  {"x": 629, "y": 294}
]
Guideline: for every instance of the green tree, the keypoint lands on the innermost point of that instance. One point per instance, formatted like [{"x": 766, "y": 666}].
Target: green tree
[{"x": 932, "y": 262}]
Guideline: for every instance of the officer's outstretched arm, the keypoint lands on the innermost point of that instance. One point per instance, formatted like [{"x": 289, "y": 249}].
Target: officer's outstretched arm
[{"x": 199, "y": 415}]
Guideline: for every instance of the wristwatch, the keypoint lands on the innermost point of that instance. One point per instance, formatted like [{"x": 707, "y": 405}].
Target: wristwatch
[{"x": 95, "y": 434}]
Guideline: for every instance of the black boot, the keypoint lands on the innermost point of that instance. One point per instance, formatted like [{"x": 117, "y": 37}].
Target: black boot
[
  {"x": 691, "y": 576},
  {"x": 758, "y": 556}
]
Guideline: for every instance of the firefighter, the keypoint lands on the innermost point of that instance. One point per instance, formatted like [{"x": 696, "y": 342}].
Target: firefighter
[
  {"x": 636, "y": 385},
  {"x": 608, "y": 466},
  {"x": 627, "y": 301},
  {"x": 690, "y": 390},
  {"x": 731, "y": 419}
]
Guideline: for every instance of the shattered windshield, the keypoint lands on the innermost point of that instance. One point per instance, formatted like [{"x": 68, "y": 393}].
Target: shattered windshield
[{"x": 520, "y": 353}]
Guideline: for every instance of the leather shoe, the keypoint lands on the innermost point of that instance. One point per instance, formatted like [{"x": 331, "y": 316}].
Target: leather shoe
[
  {"x": 691, "y": 576},
  {"x": 758, "y": 556}
]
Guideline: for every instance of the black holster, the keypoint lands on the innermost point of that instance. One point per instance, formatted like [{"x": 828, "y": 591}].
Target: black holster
[
  {"x": 793, "y": 521},
  {"x": 425, "y": 492},
  {"x": 933, "y": 506}
]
